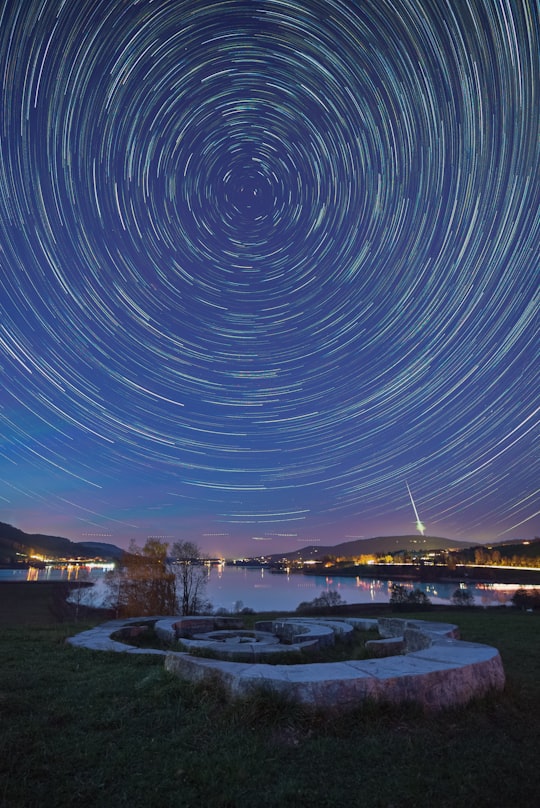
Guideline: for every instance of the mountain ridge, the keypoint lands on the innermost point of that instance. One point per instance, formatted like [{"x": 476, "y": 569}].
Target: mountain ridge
[
  {"x": 14, "y": 541},
  {"x": 377, "y": 545}
]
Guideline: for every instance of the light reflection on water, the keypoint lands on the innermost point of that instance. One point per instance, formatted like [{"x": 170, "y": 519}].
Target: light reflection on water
[
  {"x": 71, "y": 572},
  {"x": 262, "y": 591},
  {"x": 258, "y": 589}
]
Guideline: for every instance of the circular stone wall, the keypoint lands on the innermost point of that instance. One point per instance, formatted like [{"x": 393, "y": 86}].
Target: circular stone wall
[{"x": 435, "y": 669}]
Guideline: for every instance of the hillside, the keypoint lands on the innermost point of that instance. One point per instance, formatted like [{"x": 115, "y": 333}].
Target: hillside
[
  {"x": 376, "y": 546},
  {"x": 15, "y": 544},
  {"x": 509, "y": 552}
]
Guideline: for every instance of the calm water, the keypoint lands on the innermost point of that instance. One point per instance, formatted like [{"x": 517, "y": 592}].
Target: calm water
[
  {"x": 262, "y": 591},
  {"x": 234, "y": 587}
]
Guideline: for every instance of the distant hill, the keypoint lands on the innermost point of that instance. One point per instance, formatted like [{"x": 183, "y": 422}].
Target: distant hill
[
  {"x": 504, "y": 552},
  {"x": 13, "y": 541},
  {"x": 378, "y": 545},
  {"x": 99, "y": 548}
]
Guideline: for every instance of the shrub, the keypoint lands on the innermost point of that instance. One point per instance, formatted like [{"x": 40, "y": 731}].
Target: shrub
[
  {"x": 401, "y": 597},
  {"x": 324, "y": 601},
  {"x": 462, "y": 597},
  {"x": 526, "y": 599}
]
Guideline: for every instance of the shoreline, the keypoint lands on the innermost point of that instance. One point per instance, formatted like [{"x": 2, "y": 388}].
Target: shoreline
[{"x": 428, "y": 573}]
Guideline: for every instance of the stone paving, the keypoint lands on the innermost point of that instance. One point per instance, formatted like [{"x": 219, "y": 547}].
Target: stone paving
[{"x": 435, "y": 668}]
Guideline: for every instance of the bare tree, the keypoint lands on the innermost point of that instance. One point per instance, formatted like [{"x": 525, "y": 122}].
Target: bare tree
[{"x": 191, "y": 575}]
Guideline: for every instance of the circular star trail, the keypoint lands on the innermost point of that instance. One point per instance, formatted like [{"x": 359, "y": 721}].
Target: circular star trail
[{"x": 263, "y": 262}]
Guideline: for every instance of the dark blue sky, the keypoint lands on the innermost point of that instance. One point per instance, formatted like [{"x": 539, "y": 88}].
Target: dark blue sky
[{"x": 262, "y": 264}]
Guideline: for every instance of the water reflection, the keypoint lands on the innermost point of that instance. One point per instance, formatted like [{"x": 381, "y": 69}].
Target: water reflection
[
  {"x": 63, "y": 572},
  {"x": 57, "y": 572},
  {"x": 285, "y": 592},
  {"x": 260, "y": 590}
]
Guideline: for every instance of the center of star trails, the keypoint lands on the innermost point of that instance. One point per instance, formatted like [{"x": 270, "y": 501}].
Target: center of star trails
[{"x": 249, "y": 195}]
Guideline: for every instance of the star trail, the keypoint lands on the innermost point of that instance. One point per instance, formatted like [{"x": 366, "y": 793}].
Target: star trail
[{"x": 262, "y": 262}]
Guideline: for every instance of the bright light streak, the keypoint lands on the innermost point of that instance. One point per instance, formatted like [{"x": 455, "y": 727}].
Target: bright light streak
[{"x": 421, "y": 528}]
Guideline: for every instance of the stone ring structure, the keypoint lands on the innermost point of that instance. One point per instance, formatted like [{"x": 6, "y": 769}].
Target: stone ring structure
[{"x": 413, "y": 660}]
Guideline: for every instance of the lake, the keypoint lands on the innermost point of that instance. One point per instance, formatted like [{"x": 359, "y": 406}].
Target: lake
[
  {"x": 232, "y": 588},
  {"x": 261, "y": 590}
]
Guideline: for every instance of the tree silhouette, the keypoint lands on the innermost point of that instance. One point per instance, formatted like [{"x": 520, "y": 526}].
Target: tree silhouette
[
  {"x": 191, "y": 575},
  {"x": 144, "y": 583}
]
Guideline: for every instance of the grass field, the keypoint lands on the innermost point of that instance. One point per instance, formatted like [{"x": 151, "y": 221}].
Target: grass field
[{"x": 107, "y": 730}]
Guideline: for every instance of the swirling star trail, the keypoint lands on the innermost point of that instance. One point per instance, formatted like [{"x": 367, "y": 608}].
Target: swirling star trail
[{"x": 261, "y": 262}]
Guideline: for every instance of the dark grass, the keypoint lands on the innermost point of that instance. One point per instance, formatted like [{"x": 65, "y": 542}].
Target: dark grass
[
  {"x": 103, "y": 729},
  {"x": 41, "y": 603}
]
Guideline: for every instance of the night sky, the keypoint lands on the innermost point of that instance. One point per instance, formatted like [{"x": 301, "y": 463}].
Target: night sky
[{"x": 265, "y": 263}]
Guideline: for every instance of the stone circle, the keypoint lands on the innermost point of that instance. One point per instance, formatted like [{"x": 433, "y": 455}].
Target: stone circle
[{"x": 413, "y": 660}]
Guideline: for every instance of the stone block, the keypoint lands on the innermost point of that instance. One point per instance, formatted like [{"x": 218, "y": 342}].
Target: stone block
[{"x": 386, "y": 647}]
